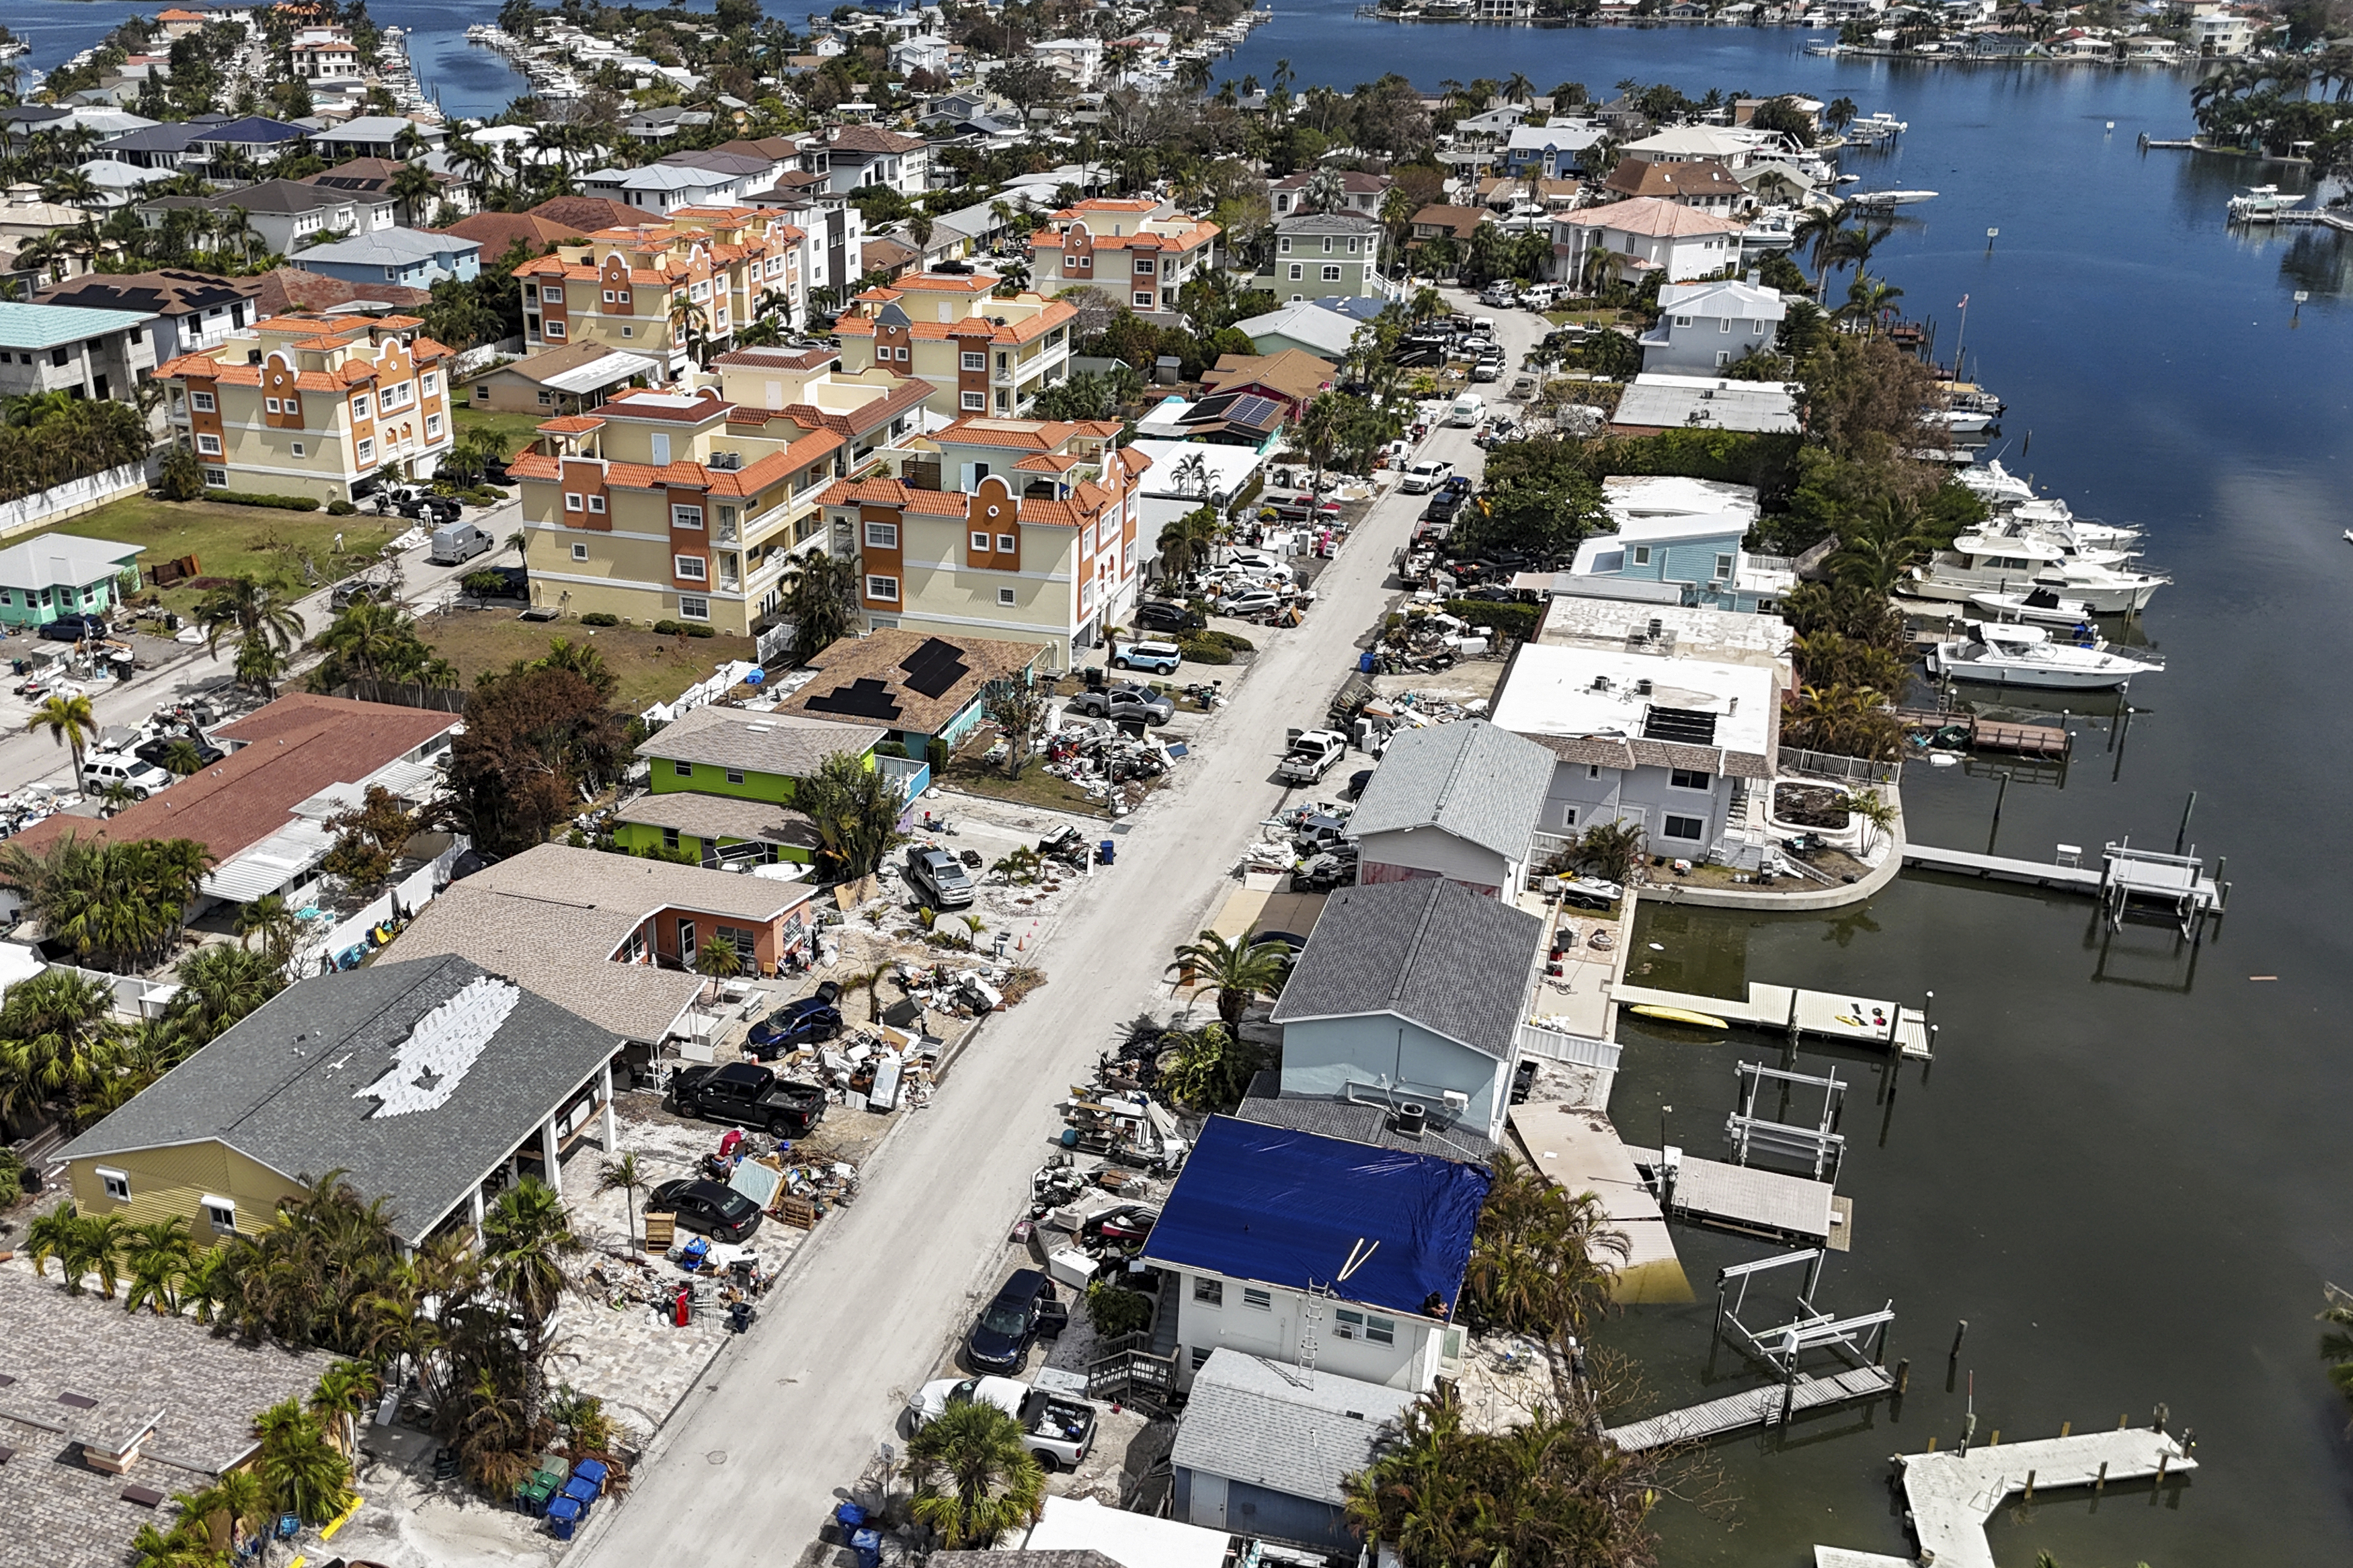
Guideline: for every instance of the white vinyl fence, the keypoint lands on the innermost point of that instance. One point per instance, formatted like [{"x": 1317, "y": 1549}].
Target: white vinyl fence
[{"x": 73, "y": 496}]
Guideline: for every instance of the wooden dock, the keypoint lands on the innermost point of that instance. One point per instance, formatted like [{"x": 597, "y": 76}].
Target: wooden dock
[
  {"x": 1952, "y": 1495},
  {"x": 1832, "y": 1014},
  {"x": 1744, "y": 1198},
  {"x": 2004, "y": 869},
  {"x": 1755, "y": 1407},
  {"x": 2022, "y": 740}
]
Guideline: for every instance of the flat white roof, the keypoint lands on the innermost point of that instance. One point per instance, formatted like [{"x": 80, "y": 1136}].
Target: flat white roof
[
  {"x": 1130, "y": 1540},
  {"x": 1553, "y": 691},
  {"x": 1634, "y": 495},
  {"x": 1692, "y": 630},
  {"x": 1229, "y": 467}
]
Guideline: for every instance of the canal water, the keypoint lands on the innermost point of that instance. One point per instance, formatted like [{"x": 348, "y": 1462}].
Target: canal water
[{"x": 2128, "y": 1166}]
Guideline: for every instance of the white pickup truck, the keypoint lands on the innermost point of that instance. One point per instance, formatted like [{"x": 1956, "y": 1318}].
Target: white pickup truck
[
  {"x": 1312, "y": 756},
  {"x": 1058, "y": 1428}
]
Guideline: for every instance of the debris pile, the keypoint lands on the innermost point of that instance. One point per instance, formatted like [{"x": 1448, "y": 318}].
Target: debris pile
[{"x": 1107, "y": 763}]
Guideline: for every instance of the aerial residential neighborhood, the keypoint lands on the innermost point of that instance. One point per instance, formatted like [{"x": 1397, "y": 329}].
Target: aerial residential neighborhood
[{"x": 1114, "y": 784}]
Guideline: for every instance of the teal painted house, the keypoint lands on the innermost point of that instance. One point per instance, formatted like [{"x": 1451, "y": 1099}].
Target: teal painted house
[
  {"x": 1689, "y": 536},
  {"x": 722, "y": 782},
  {"x": 63, "y": 573}
]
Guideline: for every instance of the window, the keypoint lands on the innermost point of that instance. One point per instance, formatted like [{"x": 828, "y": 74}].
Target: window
[
  {"x": 217, "y": 478},
  {"x": 1722, "y": 568},
  {"x": 628, "y": 331},
  {"x": 1689, "y": 827},
  {"x": 1349, "y": 1324},
  {"x": 271, "y": 403},
  {"x": 1201, "y": 1358},
  {"x": 432, "y": 427},
  {"x": 359, "y": 406},
  {"x": 980, "y": 544},
  {"x": 686, "y": 517},
  {"x": 882, "y": 536},
  {"x": 431, "y": 381},
  {"x": 1207, "y": 1291},
  {"x": 884, "y": 588},
  {"x": 1261, "y": 1299},
  {"x": 623, "y": 301},
  {"x": 551, "y": 294},
  {"x": 222, "y": 1213},
  {"x": 975, "y": 400},
  {"x": 693, "y": 568},
  {"x": 1756, "y": 328},
  {"x": 58, "y": 356},
  {"x": 201, "y": 402},
  {"x": 670, "y": 838},
  {"x": 1005, "y": 599},
  {"x": 596, "y": 504},
  {"x": 971, "y": 361},
  {"x": 1682, "y": 321},
  {"x": 298, "y": 449},
  {"x": 1724, "y": 325},
  {"x": 1297, "y": 272},
  {"x": 1723, "y": 357},
  {"x": 1143, "y": 298},
  {"x": 1142, "y": 268},
  {"x": 580, "y": 552},
  {"x": 571, "y": 502},
  {"x": 683, "y": 770},
  {"x": 1285, "y": 244},
  {"x": 209, "y": 445},
  {"x": 608, "y": 296},
  {"x": 691, "y": 608},
  {"x": 1569, "y": 816},
  {"x": 118, "y": 1184},
  {"x": 734, "y": 775},
  {"x": 1690, "y": 778},
  {"x": 554, "y": 329},
  {"x": 1007, "y": 544},
  {"x": 1332, "y": 272},
  {"x": 1641, "y": 555},
  {"x": 294, "y": 408}
]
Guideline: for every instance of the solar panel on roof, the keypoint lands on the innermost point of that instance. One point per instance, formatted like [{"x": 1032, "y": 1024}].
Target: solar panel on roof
[
  {"x": 865, "y": 698},
  {"x": 1686, "y": 725},
  {"x": 933, "y": 667},
  {"x": 1252, "y": 409}
]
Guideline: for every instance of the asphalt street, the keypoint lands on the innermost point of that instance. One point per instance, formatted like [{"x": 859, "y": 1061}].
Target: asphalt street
[{"x": 749, "y": 1466}]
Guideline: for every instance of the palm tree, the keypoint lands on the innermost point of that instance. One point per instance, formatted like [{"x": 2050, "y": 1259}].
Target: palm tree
[
  {"x": 343, "y": 1391},
  {"x": 820, "y": 595},
  {"x": 1320, "y": 428},
  {"x": 1870, "y": 300},
  {"x": 158, "y": 1253},
  {"x": 1185, "y": 542},
  {"x": 1242, "y": 971},
  {"x": 1820, "y": 228},
  {"x": 305, "y": 1474},
  {"x": 96, "y": 1248},
  {"x": 627, "y": 1176},
  {"x": 265, "y": 629},
  {"x": 268, "y": 918},
  {"x": 70, "y": 722},
  {"x": 375, "y": 636},
  {"x": 718, "y": 959},
  {"x": 220, "y": 984},
  {"x": 58, "y": 1039},
  {"x": 182, "y": 757},
  {"x": 975, "y": 1476},
  {"x": 1517, "y": 87},
  {"x": 52, "y": 1235},
  {"x": 527, "y": 1235},
  {"x": 855, "y": 810},
  {"x": 871, "y": 982},
  {"x": 245, "y": 1500}
]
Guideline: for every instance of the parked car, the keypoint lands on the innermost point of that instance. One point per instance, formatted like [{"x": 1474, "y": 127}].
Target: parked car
[
  {"x": 938, "y": 877},
  {"x": 1310, "y": 756},
  {"x": 1157, "y": 657},
  {"x": 1487, "y": 369},
  {"x": 749, "y": 1096},
  {"x": 458, "y": 542},
  {"x": 106, "y": 769},
  {"x": 1058, "y": 1428},
  {"x": 1523, "y": 1080},
  {"x": 811, "y": 1020},
  {"x": 1357, "y": 783},
  {"x": 1425, "y": 475},
  {"x": 73, "y": 628},
  {"x": 156, "y": 750},
  {"x": 1258, "y": 560},
  {"x": 1122, "y": 702},
  {"x": 1249, "y": 601},
  {"x": 1024, "y": 1311},
  {"x": 723, "y": 1214},
  {"x": 1323, "y": 873},
  {"x": 1166, "y": 616}
]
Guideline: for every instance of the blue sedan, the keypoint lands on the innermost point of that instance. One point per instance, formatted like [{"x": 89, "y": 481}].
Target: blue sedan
[{"x": 811, "y": 1020}]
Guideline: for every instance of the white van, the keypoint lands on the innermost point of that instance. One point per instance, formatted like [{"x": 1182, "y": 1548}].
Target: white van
[
  {"x": 457, "y": 543},
  {"x": 108, "y": 768},
  {"x": 1468, "y": 409}
]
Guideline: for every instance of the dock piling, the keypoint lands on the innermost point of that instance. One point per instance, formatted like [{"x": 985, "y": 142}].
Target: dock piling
[
  {"x": 1903, "y": 1374},
  {"x": 2181, "y": 834},
  {"x": 2101, "y": 1484},
  {"x": 2030, "y": 1486},
  {"x": 2065, "y": 1428},
  {"x": 1959, "y": 1330}
]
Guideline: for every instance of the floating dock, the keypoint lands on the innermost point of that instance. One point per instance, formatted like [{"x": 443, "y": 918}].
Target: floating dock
[
  {"x": 1743, "y": 1198},
  {"x": 1951, "y": 1496},
  {"x": 1832, "y": 1014},
  {"x": 2003, "y": 867},
  {"x": 2125, "y": 876},
  {"x": 1756, "y": 1407}
]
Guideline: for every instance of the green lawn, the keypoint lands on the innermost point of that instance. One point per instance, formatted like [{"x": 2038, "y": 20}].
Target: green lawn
[
  {"x": 295, "y": 549},
  {"x": 516, "y": 430},
  {"x": 652, "y": 667}
]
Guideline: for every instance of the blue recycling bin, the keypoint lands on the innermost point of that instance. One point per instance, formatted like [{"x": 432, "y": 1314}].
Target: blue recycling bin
[
  {"x": 849, "y": 1516},
  {"x": 866, "y": 1544},
  {"x": 582, "y": 1491},
  {"x": 592, "y": 1471},
  {"x": 1107, "y": 851},
  {"x": 564, "y": 1515},
  {"x": 1367, "y": 661}
]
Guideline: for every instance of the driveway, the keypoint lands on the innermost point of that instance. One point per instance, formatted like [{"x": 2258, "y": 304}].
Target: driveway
[{"x": 750, "y": 1465}]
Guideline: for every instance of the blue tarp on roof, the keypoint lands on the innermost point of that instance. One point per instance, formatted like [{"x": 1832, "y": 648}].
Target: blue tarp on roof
[
  {"x": 1386, "y": 1228},
  {"x": 254, "y": 130}
]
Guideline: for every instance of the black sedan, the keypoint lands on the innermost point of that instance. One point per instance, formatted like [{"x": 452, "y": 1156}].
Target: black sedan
[
  {"x": 73, "y": 628},
  {"x": 1026, "y": 1311},
  {"x": 1166, "y": 616},
  {"x": 723, "y": 1214},
  {"x": 157, "y": 750}
]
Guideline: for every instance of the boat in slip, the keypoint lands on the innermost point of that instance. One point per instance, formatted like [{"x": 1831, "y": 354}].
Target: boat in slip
[
  {"x": 2042, "y": 606},
  {"x": 1959, "y": 421},
  {"x": 2030, "y": 655},
  {"x": 1889, "y": 198},
  {"x": 2262, "y": 204},
  {"x": 2002, "y": 563}
]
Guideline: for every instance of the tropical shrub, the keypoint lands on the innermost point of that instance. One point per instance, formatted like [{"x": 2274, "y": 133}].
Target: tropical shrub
[
  {"x": 599, "y": 618},
  {"x": 1113, "y": 1311},
  {"x": 340, "y": 508},
  {"x": 247, "y": 498}
]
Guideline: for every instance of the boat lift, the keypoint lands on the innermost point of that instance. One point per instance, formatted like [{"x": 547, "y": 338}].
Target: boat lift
[
  {"x": 2177, "y": 882},
  {"x": 1822, "y": 1144},
  {"x": 1811, "y": 1330}
]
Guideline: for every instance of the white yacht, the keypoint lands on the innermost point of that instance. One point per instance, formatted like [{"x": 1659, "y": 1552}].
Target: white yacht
[
  {"x": 2026, "y": 655},
  {"x": 2040, "y": 606},
  {"x": 2262, "y": 204},
  {"x": 1959, "y": 421},
  {"x": 1996, "y": 485},
  {"x": 1980, "y": 563},
  {"x": 2053, "y": 515},
  {"x": 1889, "y": 198}
]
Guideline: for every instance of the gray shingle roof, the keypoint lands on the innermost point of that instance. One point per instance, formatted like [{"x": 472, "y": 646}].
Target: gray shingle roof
[
  {"x": 286, "y": 1085},
  {"x": 1429, "y": 951},
  {"x": 1019, "y": 1559},
  {"x": 1254, "y": 1420},
  {"x": 786, "y": 744},
  {"x": 1358, "y": 1124},
  {"x": 1475, "y": 780},
  {"x": 721, "y": 816}
]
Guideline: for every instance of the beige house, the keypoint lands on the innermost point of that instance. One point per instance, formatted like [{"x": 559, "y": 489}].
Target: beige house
[
  {"x": 657, "y": 289},
  {"x": 675, "y": 504},
  {"x": 313, "y": 405},
  {"x": 1020, "y": 528},
  {"x": 985, "y": 354},
  {"x": 569, "y": 380},
  {"x": 1140, "y": 252}
]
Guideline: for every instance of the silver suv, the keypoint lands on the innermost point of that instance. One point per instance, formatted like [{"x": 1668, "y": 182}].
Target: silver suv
[{"x": 938, "y": 879}]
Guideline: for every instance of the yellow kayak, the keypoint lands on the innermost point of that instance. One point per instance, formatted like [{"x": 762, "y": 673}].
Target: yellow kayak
[{"x": 1679, "y": 1016}]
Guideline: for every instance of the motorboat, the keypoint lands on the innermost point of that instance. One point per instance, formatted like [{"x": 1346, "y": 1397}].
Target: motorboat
[
  {"x": 1889, "y": 198},
  {"x": 2028, "y": 656},
  {"x": 2040, "y": 605},
  {"x": 2262, "y": 204},
  {"x": 1996, "y": 485},
  {"x": 1960, "y": 421},
  {"x": 2052, "y": 514},
  {"x": 1982, "y": 563}
]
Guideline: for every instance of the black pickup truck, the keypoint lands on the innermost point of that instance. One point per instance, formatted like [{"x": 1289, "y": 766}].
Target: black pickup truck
[{"x": 749, "y": 1096}]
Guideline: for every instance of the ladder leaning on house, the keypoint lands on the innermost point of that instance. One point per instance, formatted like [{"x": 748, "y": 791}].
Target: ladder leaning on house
[{"x": 1311, "y": 1316}]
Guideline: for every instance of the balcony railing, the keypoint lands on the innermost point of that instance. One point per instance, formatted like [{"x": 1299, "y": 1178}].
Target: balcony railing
[{"x": 910, "y": 777}]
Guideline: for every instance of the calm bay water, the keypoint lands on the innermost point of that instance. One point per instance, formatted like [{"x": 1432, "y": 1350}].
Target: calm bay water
[{"x": 2128, "y": 1166}]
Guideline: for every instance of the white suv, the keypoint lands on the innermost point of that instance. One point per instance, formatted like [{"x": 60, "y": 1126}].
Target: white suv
[{"x": 108, "y": 768}]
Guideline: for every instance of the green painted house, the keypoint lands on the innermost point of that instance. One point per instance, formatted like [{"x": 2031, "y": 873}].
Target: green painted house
[
  {"x": 722, "y": 782},
  {"x": 63, "y": 573}
]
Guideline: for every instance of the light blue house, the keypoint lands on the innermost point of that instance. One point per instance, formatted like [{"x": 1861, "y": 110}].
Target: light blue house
[
  {"x": 1412, "y": 992},
  {"x": 408, "y": 257},
  {"x": 1687, "y": 534},
  {"x": 1548, "y": 152},
  {"x": 63, "y": 573}
]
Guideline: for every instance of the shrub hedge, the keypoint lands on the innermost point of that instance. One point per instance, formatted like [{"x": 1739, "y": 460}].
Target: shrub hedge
[{"x": 283, "y": 504}]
